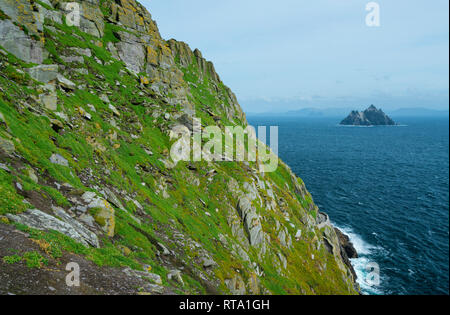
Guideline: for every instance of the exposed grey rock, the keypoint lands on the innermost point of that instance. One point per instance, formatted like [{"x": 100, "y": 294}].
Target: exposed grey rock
[
  {"x": 113, "y": 50},
  {"x": 252, "y": 192},
  {"x": 66, "y": 83},
  {"x": 43, "y": 73},
  {"x": 41, "y": 221},
  {"x": 105, "y": 98},
  {"x": 86, "y": 234},
  {"x": 59, "y": 159},
  {"x": 236, "y": 285},
  {"x": 346, "y": 244},
  {"x": 71, "y": 59},
  {"x": 52, "y": 15},
  {"x": 252, "y": 223},
  {"x": 84, "y": 113},
  {"x": 91, "y": 17},
  {"x": 114, "y": 110},
  {"x": 176, "y": 276},
  {"x": 138, "y": 205},
  {"x": 87, "y": 219},
  {"x": 131, "y": 52},
  {"x": 112, "y": 198},
  {"x": 106, "y": 213},
  {"x": 15, "y": 41},
  {"x": 49, "y": 100},
  {"x": 237, "y": 229},
  {"x": 7, "y": 146},
  {"x": 91, "y": 107},
  {"x": 283, "y": 261},
  {"x": 208, "y": 262},
  {"x": 143, "y": 275},
  {"x": 322, "y": 220},
  {"x": 164, "y": 249},
  {"x": 84, "y": 52},
  {"x": 285, "y": 238},
  {"x": 21, "y": 12},
  {"x": 4, "y": 167},
  {"x": 33, "y": 176}
]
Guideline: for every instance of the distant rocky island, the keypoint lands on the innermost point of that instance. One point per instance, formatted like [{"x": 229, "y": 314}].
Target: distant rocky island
[{"x": 370, "y": 117}]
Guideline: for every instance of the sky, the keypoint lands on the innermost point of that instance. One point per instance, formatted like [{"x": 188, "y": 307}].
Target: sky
[{"x": 291, "y": 54}]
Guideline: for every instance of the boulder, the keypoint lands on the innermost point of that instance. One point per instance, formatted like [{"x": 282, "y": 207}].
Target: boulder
[
  {"x": 208, "y": 262},
  {"x": 85, "y": 233},
  {"x": 43, "y": 73},
  {"x": 103, "y": 213},
  {"x": 7, "y": 146},
  {"x": 59, "y": 160},
  {"x": 176, "y": 276},
  {"x": 39, "y": 220},
  {"x": 114, "y": 110},
  {"x": 143, "y": 275},
  {"x": 32, "y": 176},
  {"x": 66, "y": 83}
]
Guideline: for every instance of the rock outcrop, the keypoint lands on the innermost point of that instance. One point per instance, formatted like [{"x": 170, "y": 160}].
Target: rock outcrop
[
  {"x": 89, "y": 113},
  {"x": 370, "y": 117}
]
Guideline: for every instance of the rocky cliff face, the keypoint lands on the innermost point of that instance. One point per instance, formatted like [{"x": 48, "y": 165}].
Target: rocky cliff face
[
  {"x": 370, "y": 117},
  {"x": 86, "y": 113}
]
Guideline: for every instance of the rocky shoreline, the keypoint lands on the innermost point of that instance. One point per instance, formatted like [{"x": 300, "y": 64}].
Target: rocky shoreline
[{"x": 348, "y": 250}]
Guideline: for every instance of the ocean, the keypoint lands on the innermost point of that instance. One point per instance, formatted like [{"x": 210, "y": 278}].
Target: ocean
[{"x": 386, "y": 187}]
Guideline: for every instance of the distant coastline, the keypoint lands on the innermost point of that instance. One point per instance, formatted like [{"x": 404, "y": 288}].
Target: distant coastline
[{"x": 310, "y": 112}]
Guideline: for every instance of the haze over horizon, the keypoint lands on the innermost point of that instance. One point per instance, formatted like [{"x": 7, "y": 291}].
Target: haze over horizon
[{"x": 290, "y": 54}]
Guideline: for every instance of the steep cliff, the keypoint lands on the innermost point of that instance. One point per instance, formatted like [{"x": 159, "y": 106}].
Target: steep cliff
[{"x": 86, "y": 176}]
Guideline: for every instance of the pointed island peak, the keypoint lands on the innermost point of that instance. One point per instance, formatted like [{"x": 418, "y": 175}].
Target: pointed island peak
[{"x": 372, "y": 116}]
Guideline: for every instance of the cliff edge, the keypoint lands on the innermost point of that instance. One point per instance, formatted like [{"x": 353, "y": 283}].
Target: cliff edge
[{"x": 89, "y": 97}]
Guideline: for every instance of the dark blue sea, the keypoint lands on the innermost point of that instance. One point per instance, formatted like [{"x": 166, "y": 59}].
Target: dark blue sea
[{"x": 386, "y": 187}]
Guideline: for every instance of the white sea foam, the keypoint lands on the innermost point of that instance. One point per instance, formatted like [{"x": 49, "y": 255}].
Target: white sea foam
[
  {"x": 364, "y": 250},
  {"x": 361, "y": 246}
]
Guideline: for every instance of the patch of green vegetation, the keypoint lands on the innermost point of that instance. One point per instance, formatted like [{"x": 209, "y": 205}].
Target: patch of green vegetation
[
  {"x": 10, "y": 260},
  {"x": 45, "y": 5},
  {"x": 3, "y": 16},
  {"x": 32, "y": 259},
  {"x": 10, "y": 201},
  {"x": 35, "y": 260}
]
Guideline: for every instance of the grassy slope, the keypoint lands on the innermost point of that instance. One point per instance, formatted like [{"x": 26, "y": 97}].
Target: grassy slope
[{"x": 36, "y": 141}]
